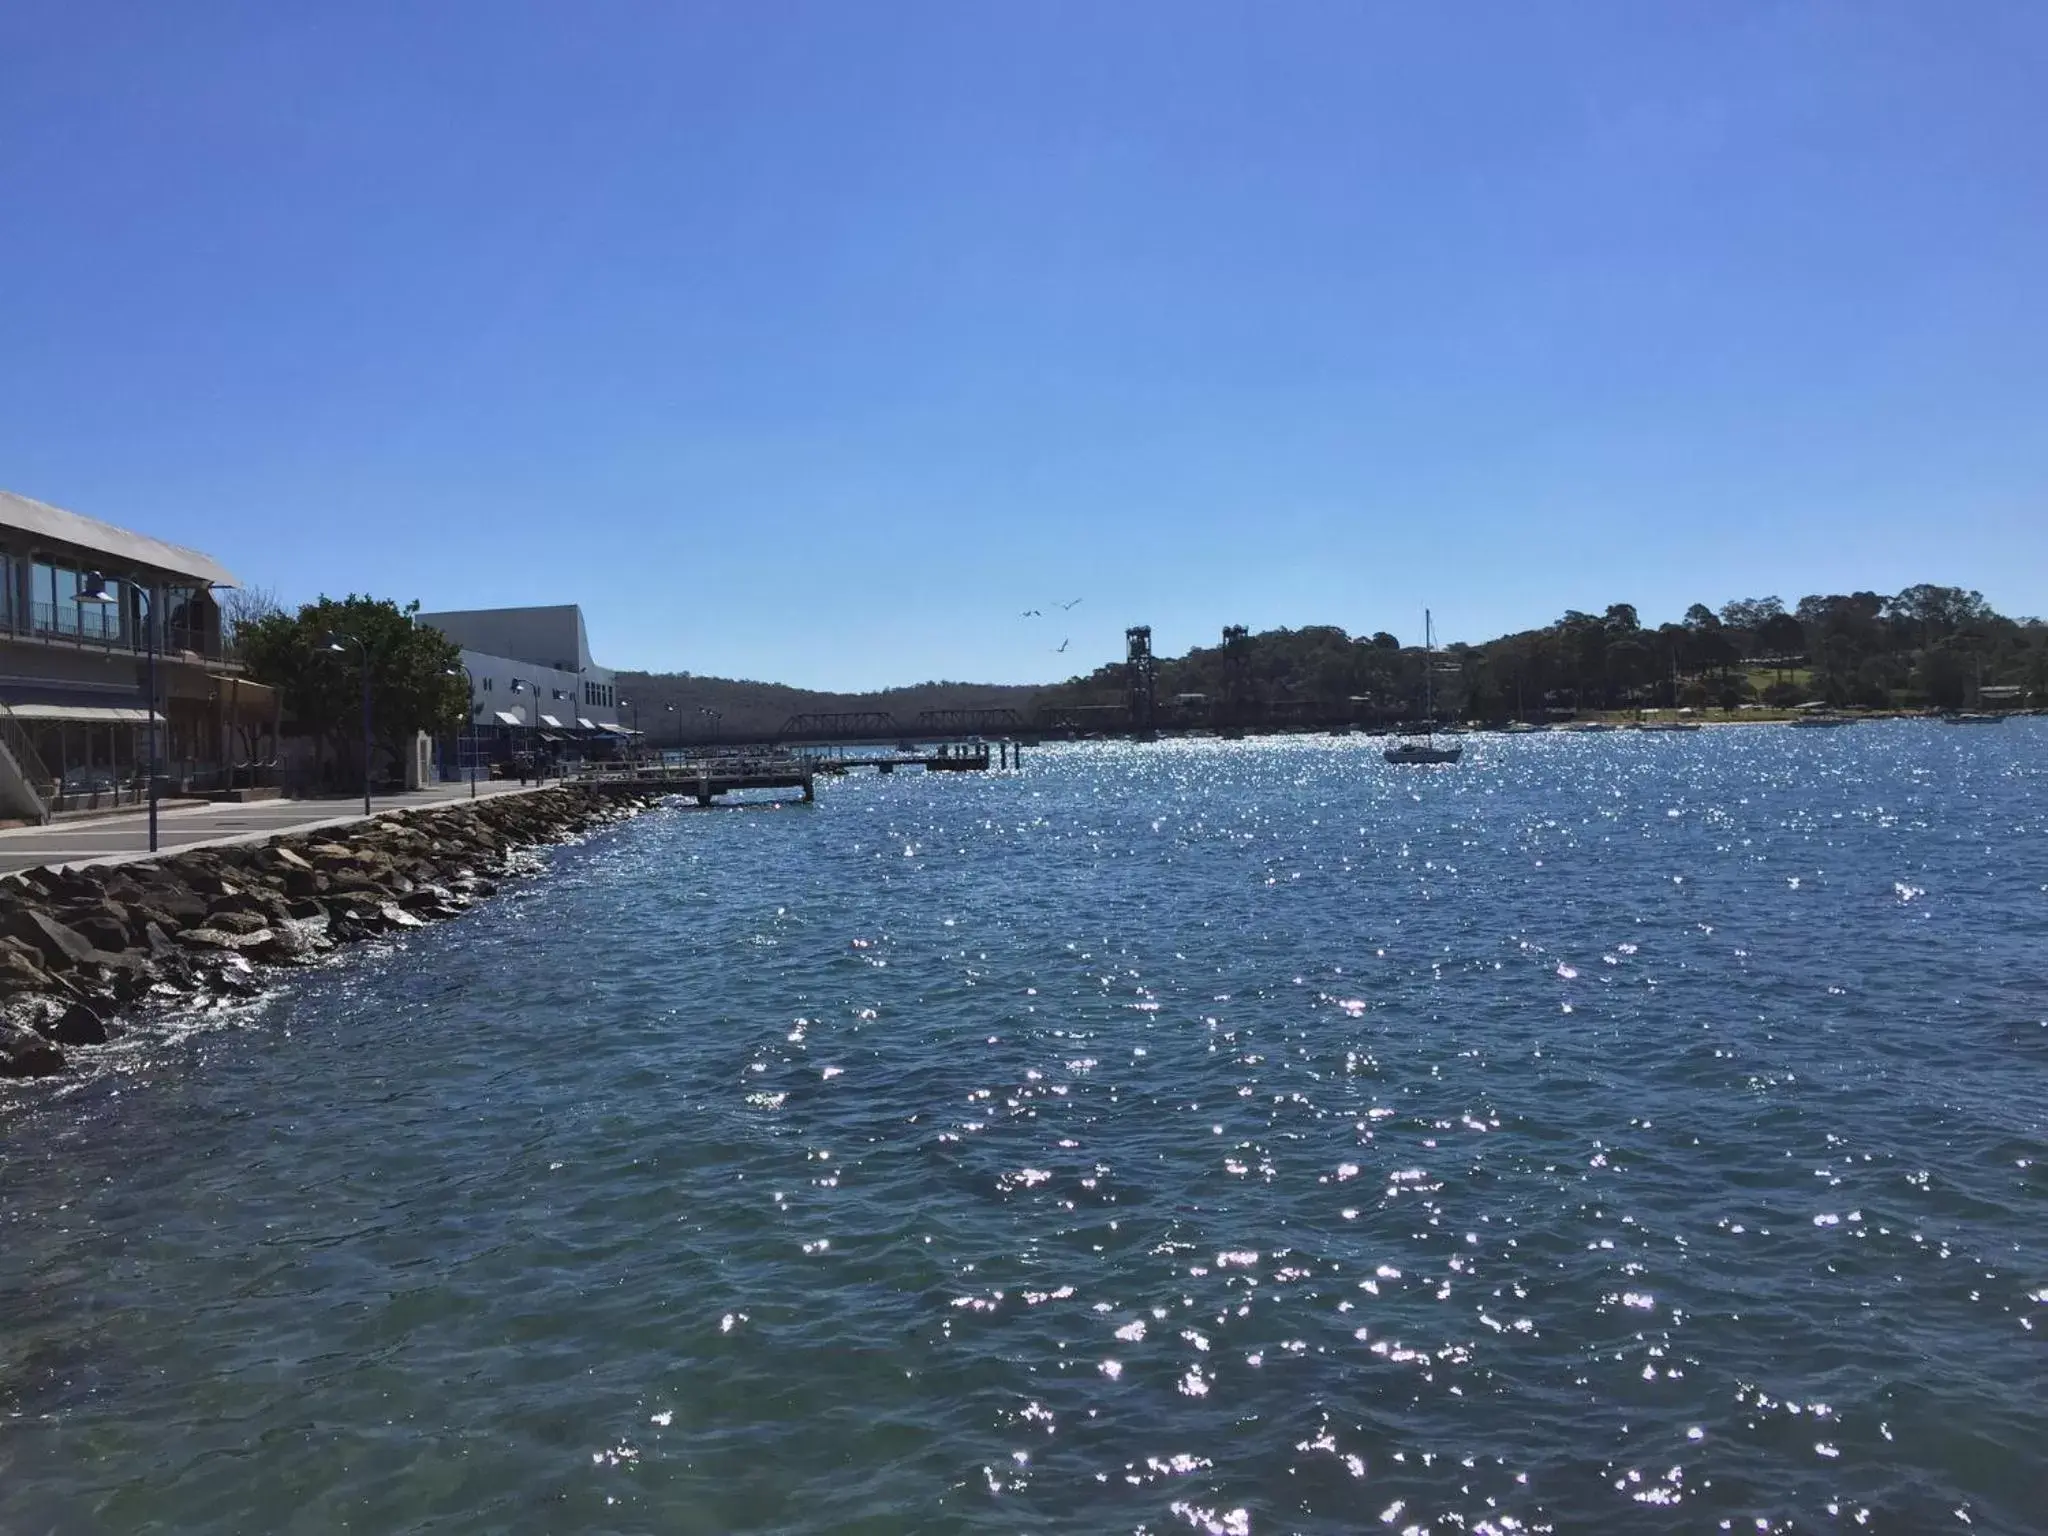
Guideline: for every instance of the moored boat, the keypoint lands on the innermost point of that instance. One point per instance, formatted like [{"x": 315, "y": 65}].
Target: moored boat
[
  {"x": 1426, "y": 750},
  {"x": 1422, "y": 752}
]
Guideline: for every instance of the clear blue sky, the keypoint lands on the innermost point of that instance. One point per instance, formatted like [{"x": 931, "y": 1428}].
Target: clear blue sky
[{"x": 814, "y": 341}]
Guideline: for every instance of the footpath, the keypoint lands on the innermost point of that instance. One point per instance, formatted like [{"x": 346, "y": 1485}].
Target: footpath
[{"x": 125, "y": 835}]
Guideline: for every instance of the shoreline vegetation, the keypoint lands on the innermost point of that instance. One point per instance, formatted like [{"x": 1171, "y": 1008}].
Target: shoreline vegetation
[
  {"x": 85, "y": 951},
  {"x": 1928, "y": 648}
]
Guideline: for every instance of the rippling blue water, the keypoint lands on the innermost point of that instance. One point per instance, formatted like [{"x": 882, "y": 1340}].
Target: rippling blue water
[{"x": 1608, "y": 1133}]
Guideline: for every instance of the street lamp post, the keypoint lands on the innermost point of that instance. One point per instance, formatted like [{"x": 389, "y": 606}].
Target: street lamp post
[
  {"x": 96, "y": 592},
  {"x": 633, "y": 706},
  {"x": 462, "y": 671},
  {"x": 523, "y": 685},
  {"x": 340, "y": 643}
]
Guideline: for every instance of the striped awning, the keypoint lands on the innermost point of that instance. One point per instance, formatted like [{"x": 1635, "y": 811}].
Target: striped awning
[{"x": 96, "y": 714}]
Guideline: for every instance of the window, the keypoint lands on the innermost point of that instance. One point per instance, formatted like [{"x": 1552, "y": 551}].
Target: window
[
  {"x": 487, "y": 685},
  {"x": 70, "y": 618}
]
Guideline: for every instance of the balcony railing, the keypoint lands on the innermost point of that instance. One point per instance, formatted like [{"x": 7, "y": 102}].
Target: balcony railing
[{"x": 103, "y": 626}]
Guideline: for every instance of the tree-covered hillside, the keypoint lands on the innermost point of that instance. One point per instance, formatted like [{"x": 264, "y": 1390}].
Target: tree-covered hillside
[
  {"x": 675, "y": 706},
  {"x": 1926, "y": 646}
]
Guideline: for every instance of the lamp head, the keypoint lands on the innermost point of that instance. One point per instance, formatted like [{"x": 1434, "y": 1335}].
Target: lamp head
[{"x": 96, "y": 590}]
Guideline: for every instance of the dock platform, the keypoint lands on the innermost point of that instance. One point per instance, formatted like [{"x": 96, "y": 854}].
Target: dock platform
[{"x": 708, "y": 777}]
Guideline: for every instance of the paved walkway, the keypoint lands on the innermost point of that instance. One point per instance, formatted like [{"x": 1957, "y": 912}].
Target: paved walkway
[{"x": 126, "y": 835}]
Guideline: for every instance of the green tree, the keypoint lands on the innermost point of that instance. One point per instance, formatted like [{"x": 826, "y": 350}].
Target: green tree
[
  {"x": 1944, "y": 675},
  {"x": 1936, "y": 612},
  {"x": 321, "y": 689},
  {"x": 1782, "y": 638}
]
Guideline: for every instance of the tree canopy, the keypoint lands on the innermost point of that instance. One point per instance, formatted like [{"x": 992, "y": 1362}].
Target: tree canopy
[
  {"x": 1926, "y": 645},
  {"x": 321, "y": 689}
]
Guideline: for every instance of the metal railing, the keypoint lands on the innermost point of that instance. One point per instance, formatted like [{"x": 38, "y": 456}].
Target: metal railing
[
  {"x": 103, "y": 625},
  {"x": 99, "y": 790}
]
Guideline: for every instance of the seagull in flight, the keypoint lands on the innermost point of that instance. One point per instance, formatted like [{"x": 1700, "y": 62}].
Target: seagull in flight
[
  {"x": 1031, "y": 613},
  {"x": 1063, "y": 645},
  {"x": 1067, "y": 607}
]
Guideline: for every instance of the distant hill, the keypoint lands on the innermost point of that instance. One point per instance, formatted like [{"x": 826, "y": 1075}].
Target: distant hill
[
  {"x": 672, "y": 704},
  {"x": 1928, "y": 646}
]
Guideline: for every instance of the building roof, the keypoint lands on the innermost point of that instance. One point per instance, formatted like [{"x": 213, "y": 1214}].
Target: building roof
[
  {"x": 551, "y": 636},
  {"x": 44, "y": 521}
]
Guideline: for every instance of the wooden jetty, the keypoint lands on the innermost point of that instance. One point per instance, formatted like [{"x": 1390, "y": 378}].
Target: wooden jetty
[
  {"x": 708, "y": 777},
  {"x": 946, "y": 757}
]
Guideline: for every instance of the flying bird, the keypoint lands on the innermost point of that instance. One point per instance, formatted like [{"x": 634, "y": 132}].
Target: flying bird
[
  {"x": 1030, "y": 613},
  {"x": 1066, "y": 607},
  {"x": 1063, "y": 645}
]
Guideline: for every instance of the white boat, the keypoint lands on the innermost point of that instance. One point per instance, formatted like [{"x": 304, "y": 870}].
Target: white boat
[{"x": 1426, "y": 750}]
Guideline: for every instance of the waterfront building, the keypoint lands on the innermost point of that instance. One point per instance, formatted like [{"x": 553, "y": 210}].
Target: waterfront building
[
  {"x": 74, "y": 711},
  {"x": 533, "y": 686}
]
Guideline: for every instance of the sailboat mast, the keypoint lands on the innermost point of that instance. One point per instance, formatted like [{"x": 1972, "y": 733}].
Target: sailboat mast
[{"x": 1428, "y": 672}]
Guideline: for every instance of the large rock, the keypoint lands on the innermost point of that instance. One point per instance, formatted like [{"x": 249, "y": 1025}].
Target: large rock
[
  {"x": 173, "y": 905},
  {"x": 260, "y": 902},
  {"x": 76, "y": 1025},
  {"x": 344, "y": 877},
  {"x": 24, "y": 1053},
  {"x": 431, "y": 901},
  {"x": 201, "y": 875},
  {"x": 124, "y": 977},
  {"x": 220, "y": 941},
  {"x": 61, "y": 948},
  {"x": 242, "y": 920},
  {"x": 104, "y": 924},
  {"x": 289, "y": 944},
  {"x": 21, "y": 969}
]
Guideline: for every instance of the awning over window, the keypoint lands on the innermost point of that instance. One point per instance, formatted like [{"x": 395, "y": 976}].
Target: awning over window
[
  {"x": 588, "y": 725},
  {"x": 96, "y": 714},
  {"x": 506, "y": 717},
  {"x": 618, "y": 730},
  {"x": 551, "y": 721}
]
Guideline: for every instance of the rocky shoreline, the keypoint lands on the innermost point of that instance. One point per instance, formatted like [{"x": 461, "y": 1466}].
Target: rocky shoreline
[{"x": 80, "y": 949}]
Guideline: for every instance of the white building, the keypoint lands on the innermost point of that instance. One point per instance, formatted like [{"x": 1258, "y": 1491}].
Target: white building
[{"x": 532, "y": 682}]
